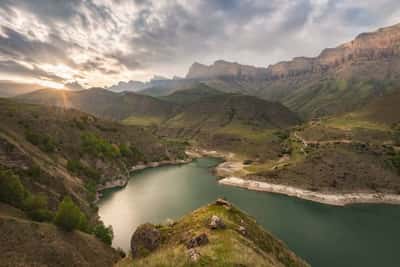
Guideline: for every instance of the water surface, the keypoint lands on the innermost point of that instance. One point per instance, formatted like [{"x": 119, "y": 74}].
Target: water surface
[{"x": 326, "y": 236}]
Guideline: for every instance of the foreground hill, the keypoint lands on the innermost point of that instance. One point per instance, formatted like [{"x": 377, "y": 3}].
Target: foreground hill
[
  {"x": 339, "y": 80},
  {"x": 27, "y": 243},
  {"x": 48, "y": 153},
  {"x": 234, "y": 239}
]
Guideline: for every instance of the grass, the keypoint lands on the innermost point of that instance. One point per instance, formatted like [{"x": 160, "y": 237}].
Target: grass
[
  {"x": 353, "y": 121},
  {"x": 247, "y": 132},
  {"x": 226, "y": 247},
  {"x": 142, "y": 120},
  {"x": 296, "y": 155}
]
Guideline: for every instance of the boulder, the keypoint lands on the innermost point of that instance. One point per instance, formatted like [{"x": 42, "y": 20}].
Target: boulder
[
  {"x": 194, "y": 255},
  {"x": 146, "y": 239},
  {"x": 197, "y": 241},
  {"x": 222, "y": 202},
  {"x": 242, "y": 230},
  {"x": 216, "y": 223}
]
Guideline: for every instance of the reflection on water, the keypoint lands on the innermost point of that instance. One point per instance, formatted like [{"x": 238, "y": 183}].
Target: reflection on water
[{"x": 359, "y": 235}]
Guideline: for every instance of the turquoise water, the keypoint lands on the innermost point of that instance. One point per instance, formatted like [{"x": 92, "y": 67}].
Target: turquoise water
[{"x": 359, "y": 235}]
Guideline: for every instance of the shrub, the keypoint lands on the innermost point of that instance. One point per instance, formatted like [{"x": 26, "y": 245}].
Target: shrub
[
  {"x": 36, "y": 208},
  {"x": 44, "y": 142},
  {"x": 68, "y": 215},
  {"x": 83, "y": 224},
  {"x": 12, "y": 190},
  {"x": 76, "y": 167},
  {"x": 395, "y": 162},
  {"x": 104, "y": 233},
  {"x": 98, "y": 146}
]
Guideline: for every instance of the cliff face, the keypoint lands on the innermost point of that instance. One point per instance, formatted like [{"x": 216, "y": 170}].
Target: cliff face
[
  {"x": 222, "y": 68},
  {"x": 339, "y": 80},
  {"x": 381, "y": 44}
]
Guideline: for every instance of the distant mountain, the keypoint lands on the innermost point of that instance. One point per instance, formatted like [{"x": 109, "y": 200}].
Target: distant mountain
[
  {"x": 191, "y": 95},
  {"x": 10, "y": 89},
  {"x": 222, "y": 110},
  {"x": 132, "y": 86},
  {"x": 102, "y": 102},
  {"x": 340, "y": 79}
]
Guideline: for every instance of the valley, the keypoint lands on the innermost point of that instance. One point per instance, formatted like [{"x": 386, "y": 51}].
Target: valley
[{"x": 81, "y": 170}]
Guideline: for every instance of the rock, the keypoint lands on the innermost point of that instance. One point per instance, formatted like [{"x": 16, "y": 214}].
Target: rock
[
  {"x": 170, "y": 222},
  {"x": 216, "y": 223},
  {"x": 146, "y": 239},
  {"x": 242, "y": 230},
  {"x": 222, "y": 202},
  {"x": 194, "y": 255},
  {"x": 197, "y": 241}
]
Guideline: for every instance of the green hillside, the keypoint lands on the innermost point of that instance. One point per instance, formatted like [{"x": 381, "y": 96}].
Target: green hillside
[{"x": 239, "y": 242}]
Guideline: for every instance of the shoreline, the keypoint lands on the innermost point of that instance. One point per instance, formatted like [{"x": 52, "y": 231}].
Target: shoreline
[
  {"x": 333, "y": 199},
  {"x": 122, "y": 181}
]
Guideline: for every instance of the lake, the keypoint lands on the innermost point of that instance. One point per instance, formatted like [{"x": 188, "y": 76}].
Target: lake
[{"x": 326, "y": 236}]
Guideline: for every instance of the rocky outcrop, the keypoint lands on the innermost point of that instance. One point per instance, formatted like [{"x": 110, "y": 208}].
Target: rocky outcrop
[
  {"x": 380, "y": 44},
  {"x": 216, "y": 223},
  {"x": 222, "y": 68},
  {"x": 146, "y": 239},
  {"x": 200, "y": 240}
]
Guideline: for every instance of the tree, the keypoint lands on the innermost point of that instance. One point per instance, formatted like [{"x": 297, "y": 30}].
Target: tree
[
  {"x": 104, "y": 233},
  {"x": 68, "y": 215},
  {"x": 11, "y": 189}
]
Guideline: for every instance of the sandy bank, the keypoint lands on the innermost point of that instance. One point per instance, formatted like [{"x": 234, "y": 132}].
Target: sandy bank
[{"x": 336, "y": 199}]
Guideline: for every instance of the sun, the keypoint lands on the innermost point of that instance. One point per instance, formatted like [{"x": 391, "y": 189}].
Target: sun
[{"x": 51, "y": 84}]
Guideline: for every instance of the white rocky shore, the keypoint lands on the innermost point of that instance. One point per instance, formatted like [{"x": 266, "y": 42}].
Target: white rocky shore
[{"x": 337, "y": 199}]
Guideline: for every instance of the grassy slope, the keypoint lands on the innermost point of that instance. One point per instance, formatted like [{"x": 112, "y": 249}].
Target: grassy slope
[
  {"x": 349, "y": 152},
  {"x": 236, "y": 123},
  {"x": 227, "y": 247},
  {"x": 64, "y": 130},
  {"x": 27, "y": 243},
  {"x": 191, "y": 95}
]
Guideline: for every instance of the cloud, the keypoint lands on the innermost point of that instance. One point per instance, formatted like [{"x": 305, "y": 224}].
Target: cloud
[
  {"x": 15, "y": 68},
  {"x": 100, "y": 42}
]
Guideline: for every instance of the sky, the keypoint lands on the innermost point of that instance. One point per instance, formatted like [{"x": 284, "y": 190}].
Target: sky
[{"x": 97, "y": 43}]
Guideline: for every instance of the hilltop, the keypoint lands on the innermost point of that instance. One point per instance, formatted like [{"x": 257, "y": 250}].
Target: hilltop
[{"x": 234, "y": 239}]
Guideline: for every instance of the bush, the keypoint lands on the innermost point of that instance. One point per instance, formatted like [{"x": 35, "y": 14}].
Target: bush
[
  {"x": 83, "y": 224},
  {"x": 395, "y": 162},
  {"x": 104, "y": 233},
  {"x": 77, "y": 168},
  {"x": 68, "y": 215},
  {"x": 98, "y": 146},
  {"x": 44, "y": 142},
  {"x": 36, "y": 208},
  {"x": 12, "y": 190},
  {"x": 130, "y": 152}
]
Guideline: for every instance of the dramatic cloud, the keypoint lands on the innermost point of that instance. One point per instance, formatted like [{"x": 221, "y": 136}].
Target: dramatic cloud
[{"x": 84, "y": 43}]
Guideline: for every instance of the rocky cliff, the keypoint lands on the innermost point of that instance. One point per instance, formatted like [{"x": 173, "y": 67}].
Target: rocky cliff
[{"x": 381, "y": 44}]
